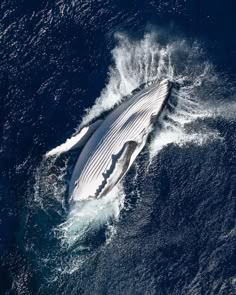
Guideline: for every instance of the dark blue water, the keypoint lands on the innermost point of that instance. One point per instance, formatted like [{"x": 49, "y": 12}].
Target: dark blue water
[{"x": 179, "y": 235}]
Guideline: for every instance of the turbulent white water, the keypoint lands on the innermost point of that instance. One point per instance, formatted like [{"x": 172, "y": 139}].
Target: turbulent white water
[
  {"x": 92, "y": 214},
  {"x": 136, "y": 62}
]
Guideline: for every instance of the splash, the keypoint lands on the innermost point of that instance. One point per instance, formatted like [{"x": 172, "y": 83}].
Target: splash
[
  {"x": 91, "y": 215},
  {"x": 140, "y": 61},
  {"x": 136, "y": 62},
  {"x": 177, "y": 126}
]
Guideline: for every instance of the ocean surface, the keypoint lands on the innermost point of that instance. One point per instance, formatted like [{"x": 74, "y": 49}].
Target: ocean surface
[{"x": 169, "y": 227}]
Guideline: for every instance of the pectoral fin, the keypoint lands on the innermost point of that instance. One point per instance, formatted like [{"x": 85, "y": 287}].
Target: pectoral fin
[
  {"x": 120, "y": 165},
  {"x": 76, "y": 141}
]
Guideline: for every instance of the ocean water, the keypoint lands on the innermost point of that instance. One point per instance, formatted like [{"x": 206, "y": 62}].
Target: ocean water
[{"x": 169, "y": 227}]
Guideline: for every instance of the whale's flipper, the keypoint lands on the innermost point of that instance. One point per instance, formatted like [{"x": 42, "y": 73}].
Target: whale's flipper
[
  {"x": 120, "y": 165},
  {"x": 76, "y": 141}
]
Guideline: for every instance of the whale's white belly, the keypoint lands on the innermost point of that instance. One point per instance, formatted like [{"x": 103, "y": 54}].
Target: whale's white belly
[{"x": 113, "y": 147}]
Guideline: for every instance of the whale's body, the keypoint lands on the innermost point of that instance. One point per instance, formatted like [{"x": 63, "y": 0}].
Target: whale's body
[{"x": 115, "y": 143}]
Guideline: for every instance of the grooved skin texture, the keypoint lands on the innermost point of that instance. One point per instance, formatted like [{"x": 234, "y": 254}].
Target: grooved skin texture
[{"x": 129, "y": 122}]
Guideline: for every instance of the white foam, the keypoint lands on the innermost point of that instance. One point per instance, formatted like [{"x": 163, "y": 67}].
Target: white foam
[
  {"x": 134, "y": 63},
  {"x": 90, "y": 215},
  {"x": 176, "y": 126}
]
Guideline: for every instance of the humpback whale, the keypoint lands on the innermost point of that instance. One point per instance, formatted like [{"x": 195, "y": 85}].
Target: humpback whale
[{"x": 111, "y": 145}]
